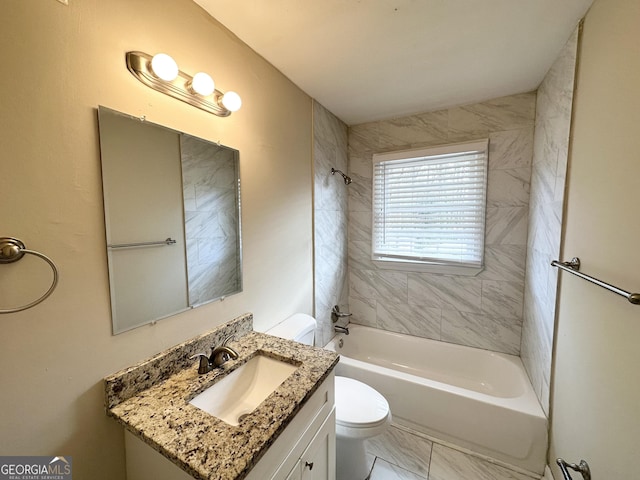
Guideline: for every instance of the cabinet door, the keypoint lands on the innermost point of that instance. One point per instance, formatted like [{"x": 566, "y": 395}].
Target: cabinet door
[
  {"x": 318, "y": 462},
  {"x": 295, "y": 473}
]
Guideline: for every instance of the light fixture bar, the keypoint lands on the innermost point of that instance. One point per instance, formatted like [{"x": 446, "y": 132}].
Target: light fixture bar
[{"x": 139, "y": 64}]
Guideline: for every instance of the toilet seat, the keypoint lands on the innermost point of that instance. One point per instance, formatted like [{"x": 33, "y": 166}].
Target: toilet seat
[{"x": 360, "y": 410}]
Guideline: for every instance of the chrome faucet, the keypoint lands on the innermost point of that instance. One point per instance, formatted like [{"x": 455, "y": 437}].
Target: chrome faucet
[
  {"x": 340, "y": 329},
  {"x": 218, "y": 357},
  {"x": 221, "y": 355},
  {"x": 336, "y": 315}
]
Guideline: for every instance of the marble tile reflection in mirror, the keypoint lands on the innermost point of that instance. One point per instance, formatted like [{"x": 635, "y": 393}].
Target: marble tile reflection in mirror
[
  {"x": 159, "y": 183},
  {"x": 210, "y": 184}
]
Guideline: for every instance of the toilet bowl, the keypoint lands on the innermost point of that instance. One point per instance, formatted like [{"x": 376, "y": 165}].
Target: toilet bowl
[{"x": 361, "y": 411}]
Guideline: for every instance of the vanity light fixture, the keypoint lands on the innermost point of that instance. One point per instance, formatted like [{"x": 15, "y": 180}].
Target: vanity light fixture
[
  {"x": 164, "y": 67},
  {"x": 231, "y": 101},
  {"x": 203, "y": 84},
  {"x": 161, "y": 73}
]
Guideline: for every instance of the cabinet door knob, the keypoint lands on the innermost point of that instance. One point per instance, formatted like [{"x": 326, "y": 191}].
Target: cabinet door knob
[{"x": 310, "y": 465}]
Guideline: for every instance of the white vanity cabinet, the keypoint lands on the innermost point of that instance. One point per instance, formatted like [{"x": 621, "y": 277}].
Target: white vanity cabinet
[
  {"x": 305, "y": 450},
  {"x": 318, "y": 460}
]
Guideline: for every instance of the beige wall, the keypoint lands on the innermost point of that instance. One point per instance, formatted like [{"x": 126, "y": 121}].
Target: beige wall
[
  {"x": 59, "y": 64},
  {"x": 596, "y": 391}
]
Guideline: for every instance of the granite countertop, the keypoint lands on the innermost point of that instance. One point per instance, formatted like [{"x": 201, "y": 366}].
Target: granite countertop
[{"x": 151, "y": 400}]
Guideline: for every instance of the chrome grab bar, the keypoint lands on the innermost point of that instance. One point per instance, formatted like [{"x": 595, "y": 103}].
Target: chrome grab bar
[
  {"x": 582, "y": 467},
  {"x": 573, "y": 267},
  {"x": 168, "y": 241}
]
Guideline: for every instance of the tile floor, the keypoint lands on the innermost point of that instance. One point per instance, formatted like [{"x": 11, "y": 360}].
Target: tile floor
[{"x": 400, "y": 455}]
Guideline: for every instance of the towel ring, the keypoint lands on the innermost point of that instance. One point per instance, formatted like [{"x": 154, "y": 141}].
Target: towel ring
[{"x": 12, "y": 250}]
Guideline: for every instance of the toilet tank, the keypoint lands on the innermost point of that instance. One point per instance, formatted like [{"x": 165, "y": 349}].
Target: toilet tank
[{"x": 299, "y": 327}]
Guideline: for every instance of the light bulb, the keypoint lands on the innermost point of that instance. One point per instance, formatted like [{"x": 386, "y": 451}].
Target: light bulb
[
  {"x": 164, "y": 67},
  {"x": 203, "y": 84},
  {"x": 231, "y": 101}
]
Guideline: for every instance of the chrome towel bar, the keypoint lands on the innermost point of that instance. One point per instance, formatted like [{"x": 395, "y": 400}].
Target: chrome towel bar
[
  {"x": 168, "y": 241},
  {"x": 573, "y": 267}
]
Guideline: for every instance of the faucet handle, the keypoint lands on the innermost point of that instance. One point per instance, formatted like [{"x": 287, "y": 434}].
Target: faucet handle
[
  {"x": 227, "y": 339},
  {"x": 205, "y": 365},
  {"x": 337, "y": 314}
]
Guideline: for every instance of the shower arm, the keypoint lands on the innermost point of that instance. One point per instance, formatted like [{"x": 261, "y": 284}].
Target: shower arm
[{"x": 346, "y": 178}]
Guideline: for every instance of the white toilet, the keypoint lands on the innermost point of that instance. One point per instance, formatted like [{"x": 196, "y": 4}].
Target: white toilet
[{"x": 361, "y": 412}]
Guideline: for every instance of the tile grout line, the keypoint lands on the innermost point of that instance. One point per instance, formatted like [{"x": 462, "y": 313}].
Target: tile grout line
[
  {"x": 444, "y": 443},
  {"x": 429, "y": 464}
]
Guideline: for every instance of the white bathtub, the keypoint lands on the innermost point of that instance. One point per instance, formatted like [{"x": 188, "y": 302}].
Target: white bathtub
[{"x": 473, "y": 398}]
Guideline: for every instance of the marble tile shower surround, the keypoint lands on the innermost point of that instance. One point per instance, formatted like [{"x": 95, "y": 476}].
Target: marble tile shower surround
[
  {"x": 209, "y": 187},
  {"x": 330, "y": 219},
  {"x": 550, "y": 154},
  {"x": 483, "y": 311},
  {"x": 129, "y": 382}
]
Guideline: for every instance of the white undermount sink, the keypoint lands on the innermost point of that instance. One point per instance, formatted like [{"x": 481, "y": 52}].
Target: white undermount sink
[{"x": 241, "y": 391}]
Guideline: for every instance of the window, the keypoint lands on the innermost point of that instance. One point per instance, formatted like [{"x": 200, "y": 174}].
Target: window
[{"x": 429, "y": 208}]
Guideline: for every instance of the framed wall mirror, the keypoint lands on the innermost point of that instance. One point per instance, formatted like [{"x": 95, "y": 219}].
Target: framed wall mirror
[{"x": 172, "y": 216}]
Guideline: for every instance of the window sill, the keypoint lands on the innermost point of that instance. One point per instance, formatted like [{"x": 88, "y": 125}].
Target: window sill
[{"x": 424, "y": 267}]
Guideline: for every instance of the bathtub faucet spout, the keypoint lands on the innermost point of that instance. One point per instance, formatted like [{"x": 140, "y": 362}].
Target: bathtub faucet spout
[{"x": 339, "y": 329}]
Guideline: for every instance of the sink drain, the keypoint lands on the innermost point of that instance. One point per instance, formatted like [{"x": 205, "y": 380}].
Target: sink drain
[{"x": 242, "y": 417}]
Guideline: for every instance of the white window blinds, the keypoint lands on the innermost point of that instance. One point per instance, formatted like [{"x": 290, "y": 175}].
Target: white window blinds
[{"x": 429, "y": 205}]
